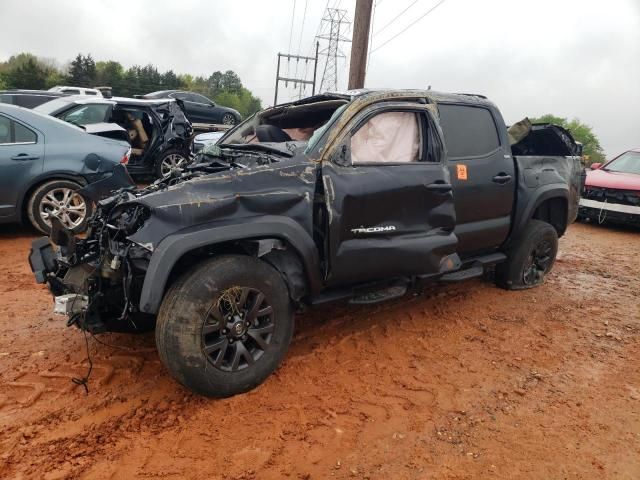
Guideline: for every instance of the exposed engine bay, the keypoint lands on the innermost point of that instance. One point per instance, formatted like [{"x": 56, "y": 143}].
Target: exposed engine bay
[{"x": 98, "y": 279}]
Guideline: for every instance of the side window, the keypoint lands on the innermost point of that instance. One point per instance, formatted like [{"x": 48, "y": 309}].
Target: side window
[
  {"x": 32, "y": 101},
  {"x": 14, "y": 132},
  {"x": 73, "y": 91},
  {"x": 388, "y": 137},
  {"x": 90, "y": 92},
  {"x": 468, "y": 131},
  {"x": 22, "y": 134},
  {"x": 181, "y": 96},
  {"x": 87, "y": 114},
  {"x": 199, "y": 99},
  {"x": 5, "y": 130}
]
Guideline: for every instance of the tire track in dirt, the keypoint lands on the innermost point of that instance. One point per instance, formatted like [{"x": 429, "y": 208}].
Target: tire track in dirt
[{"x": 464, "y": 381}]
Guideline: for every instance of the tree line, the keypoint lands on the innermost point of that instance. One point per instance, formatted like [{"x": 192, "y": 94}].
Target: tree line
[{"x": 27, "y": 71}]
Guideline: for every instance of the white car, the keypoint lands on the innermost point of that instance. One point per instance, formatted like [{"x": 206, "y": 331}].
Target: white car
[
  {"x": 76, "y": 90},
  {"x": 202, "y": 140}
]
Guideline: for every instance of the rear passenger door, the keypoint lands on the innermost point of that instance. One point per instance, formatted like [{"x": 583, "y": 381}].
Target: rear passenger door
[
  {"x": 21, "y": 159},
  {"x": 482, "y": 174},
  {"x": 388, "y": 202}
]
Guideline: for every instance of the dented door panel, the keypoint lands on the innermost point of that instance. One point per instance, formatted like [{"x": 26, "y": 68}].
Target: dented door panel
[{"x": 384, "y": 222}]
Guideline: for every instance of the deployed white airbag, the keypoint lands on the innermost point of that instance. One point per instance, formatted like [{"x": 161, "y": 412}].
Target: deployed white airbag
[{"x": 390, "y": 137}]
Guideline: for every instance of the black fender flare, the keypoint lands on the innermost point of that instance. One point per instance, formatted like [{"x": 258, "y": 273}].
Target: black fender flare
[
  {"x": 169, "y": 251},
  {"x": 542, "y": 194}
]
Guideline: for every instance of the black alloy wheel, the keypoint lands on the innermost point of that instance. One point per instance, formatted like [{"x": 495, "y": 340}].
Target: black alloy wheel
[
  {"x": 225, "y": 325},
  {"x": 538, "y": 263},
  {"x": 237, "y": 329},
  {"x": 530, "y": 257}
]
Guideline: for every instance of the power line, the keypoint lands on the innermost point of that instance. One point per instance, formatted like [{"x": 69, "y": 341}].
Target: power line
[
  {"x": 313, "y": 43},
  {"x": 373, "y": 19},
  {"x": 410, "y": 25},
  {"x": 397, "y": 16},
  {"x": 304, "y": 15},
  {"x": 293, "y": 17}
]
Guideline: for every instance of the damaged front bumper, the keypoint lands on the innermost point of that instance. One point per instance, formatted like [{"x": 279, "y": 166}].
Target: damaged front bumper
[{"x": 603, "y": 211}]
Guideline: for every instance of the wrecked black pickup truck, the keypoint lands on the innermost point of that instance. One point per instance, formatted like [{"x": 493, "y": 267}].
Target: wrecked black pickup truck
[{"x": 338, "y": 197}]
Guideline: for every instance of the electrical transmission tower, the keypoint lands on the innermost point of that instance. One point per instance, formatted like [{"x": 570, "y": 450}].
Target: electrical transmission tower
[{"x": 334, "y": 19}]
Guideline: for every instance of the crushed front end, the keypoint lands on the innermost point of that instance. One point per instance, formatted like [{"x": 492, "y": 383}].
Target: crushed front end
[
  {"x": 97, "y": 279},
  {"x": 611, "y": 205}
]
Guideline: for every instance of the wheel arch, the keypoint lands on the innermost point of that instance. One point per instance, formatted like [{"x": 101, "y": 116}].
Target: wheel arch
[
  {"x": 541, "y": 206},
  {"x": 260, "y": 237}
]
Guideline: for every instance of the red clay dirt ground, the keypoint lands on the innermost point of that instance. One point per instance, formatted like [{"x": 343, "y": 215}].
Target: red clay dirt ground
[{"x": 464, "y": 381}]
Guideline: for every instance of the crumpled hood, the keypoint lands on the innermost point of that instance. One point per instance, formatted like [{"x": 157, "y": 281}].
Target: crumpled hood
[
  {"x": 228, "y": 197},
  {"x": 615, "y": 180}
]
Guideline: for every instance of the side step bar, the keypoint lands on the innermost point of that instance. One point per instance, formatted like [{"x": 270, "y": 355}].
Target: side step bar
[
  {"x": 376, "y": 292},
  {"x": 475, "y": 268},
  {"x": 366, "y": 294}
]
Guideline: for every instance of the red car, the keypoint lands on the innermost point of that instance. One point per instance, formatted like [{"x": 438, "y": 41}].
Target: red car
[{"x": 612, "y": 191}]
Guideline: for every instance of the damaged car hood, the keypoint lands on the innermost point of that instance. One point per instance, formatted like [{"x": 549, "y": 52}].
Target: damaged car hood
[
  {"x": 616, "y": 180},
  {"x": 227, "y": 197}
]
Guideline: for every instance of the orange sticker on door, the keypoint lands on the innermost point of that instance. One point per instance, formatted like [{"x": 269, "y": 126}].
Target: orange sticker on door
[{"x": 462, "y": 171}]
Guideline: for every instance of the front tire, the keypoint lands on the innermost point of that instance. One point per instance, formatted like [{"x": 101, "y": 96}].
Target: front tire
[
  {"x": 229, "y": 119},
  {"x": 225, "y": 326},
  {"x": 59, "y": 198},
  {"x": 530, "y": 259}
]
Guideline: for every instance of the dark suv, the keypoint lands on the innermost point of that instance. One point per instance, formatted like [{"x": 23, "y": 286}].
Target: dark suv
[
  {"x": 28, "y": 98},
  {"x": 200, "y": 109},
  {"x": 158, "y": 130}
]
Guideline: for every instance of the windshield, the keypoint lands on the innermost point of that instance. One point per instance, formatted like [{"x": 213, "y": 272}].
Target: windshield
[
  {"x": 297, "y": 122},
  {"x": 628, "y": 162},
  {"x": 317, "y": 135}
]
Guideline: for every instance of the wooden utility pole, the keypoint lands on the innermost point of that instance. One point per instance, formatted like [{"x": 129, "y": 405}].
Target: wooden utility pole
[{"x": 360, "y": 43}]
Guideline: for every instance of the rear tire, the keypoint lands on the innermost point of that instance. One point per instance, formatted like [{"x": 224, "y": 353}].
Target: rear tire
[
  {"x": 530, "y": 259},
  {"x": 225, "y": 326},
  {"x": 170, "y": 159},
  {"x": 58, "y": 197}
]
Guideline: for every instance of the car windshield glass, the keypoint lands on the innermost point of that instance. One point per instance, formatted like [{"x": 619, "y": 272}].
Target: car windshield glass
[
  {"x": 628, "y": 162},
  {"x": 54, "y": 105},
  {"x": 87, "y": 114},
  {"x": 317, "y": 135}
]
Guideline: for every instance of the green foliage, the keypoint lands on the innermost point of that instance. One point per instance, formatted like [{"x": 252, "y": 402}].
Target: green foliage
[
  {"x": 82, "y": 72},
  {"x": 28, "y": 71},
  {"x": 582, "y": 132}
]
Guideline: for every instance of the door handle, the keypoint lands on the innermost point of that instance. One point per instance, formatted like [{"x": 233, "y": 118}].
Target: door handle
[
  {"x": 439, "y": 187},
  {"x": 25, "y": 156},
  {"x": 502, "y": 178}
]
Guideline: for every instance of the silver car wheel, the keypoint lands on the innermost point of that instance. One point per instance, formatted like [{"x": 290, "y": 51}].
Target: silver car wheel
[
  {"x": 65, "y": 204},
  {"x": 170, "y": 162},
  {"x": 228, "y": 119}
]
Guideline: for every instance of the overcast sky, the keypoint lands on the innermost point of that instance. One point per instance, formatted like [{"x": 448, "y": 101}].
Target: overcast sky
[{"x": 573, "y": 58}]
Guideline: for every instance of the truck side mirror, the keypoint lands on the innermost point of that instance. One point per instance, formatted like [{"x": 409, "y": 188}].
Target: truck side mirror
[
  {"x": 341, "y": 155},
  {"x": 596, "y": 166}
]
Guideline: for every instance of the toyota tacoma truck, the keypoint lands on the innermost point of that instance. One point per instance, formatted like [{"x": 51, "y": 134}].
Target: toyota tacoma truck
[{"x": 353, "y": 197}]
